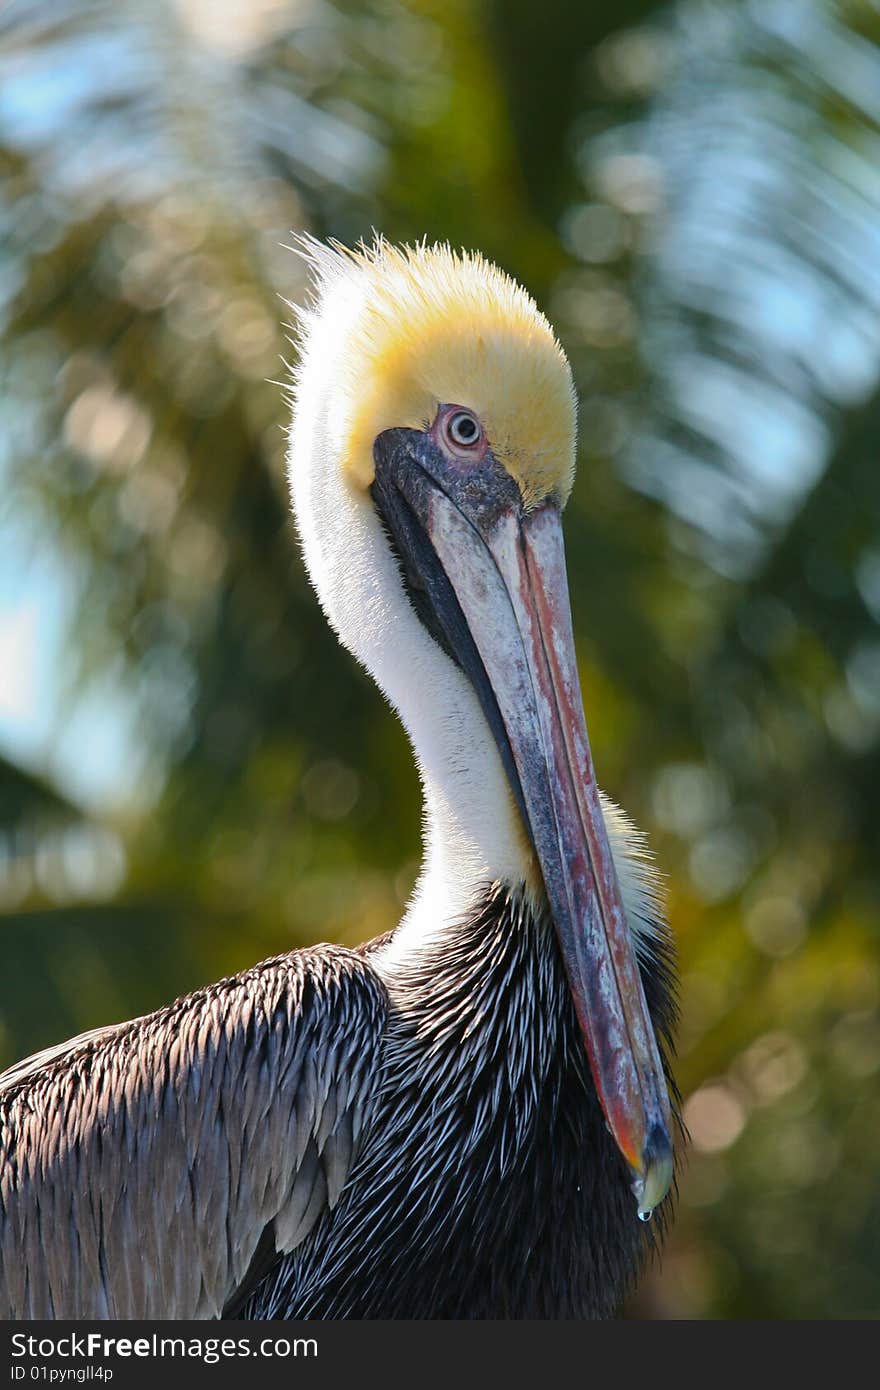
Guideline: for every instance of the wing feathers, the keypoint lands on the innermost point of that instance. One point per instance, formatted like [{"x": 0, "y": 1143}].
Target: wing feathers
[{"x": 144, "y": 1168}]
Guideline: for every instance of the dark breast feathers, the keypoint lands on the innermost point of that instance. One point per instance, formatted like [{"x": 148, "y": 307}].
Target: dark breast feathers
[{"x": 488, "y": 1186}]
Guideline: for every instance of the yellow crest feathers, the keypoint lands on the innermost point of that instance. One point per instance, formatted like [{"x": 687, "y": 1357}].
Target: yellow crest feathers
[{"x": 419, "y": 326}]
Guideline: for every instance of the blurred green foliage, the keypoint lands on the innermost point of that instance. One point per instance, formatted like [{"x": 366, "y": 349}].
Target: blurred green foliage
[{"x": 691, "y": 191}]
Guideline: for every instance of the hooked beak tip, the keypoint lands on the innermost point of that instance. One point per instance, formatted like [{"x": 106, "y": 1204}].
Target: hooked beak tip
[{"x": 654, "y": 1178}]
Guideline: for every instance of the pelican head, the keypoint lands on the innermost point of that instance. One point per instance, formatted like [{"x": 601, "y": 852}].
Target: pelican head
[{"x": 431, "y": 455}]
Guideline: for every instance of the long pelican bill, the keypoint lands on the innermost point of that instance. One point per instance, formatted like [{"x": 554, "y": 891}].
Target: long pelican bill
[{"x": 489, "y": 580}]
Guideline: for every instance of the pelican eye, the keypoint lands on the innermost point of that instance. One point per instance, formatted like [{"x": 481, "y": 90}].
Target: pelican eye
[{"x": 463, "y": 429}]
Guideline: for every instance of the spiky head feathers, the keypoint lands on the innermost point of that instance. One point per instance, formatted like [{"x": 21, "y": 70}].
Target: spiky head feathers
[{"x": 414, "y": 327}]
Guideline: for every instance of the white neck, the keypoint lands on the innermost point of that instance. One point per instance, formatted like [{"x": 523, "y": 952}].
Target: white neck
[{"x": 472, "y": 830}]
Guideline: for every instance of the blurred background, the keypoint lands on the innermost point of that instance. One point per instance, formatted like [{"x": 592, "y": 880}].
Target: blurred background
[{"x": 193, "y": 775}]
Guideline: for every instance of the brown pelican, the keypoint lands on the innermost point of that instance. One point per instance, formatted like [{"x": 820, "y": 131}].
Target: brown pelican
[{"x": 465, "y": 1118}]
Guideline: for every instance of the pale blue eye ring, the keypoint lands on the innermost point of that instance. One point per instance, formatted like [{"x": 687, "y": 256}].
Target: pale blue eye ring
[{"x": 464, "y": 429}]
